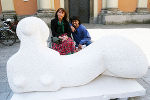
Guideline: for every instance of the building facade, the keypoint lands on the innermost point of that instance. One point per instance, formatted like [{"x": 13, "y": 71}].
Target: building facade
[{"x": 89, "y": 11}]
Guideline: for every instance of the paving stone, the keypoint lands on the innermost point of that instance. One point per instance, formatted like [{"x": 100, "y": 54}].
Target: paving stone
[
  {"x": 3, "y": 75},
  {"x": 10, "y": 95},
  {"x": 4, "y": 87},
  {"x": 4, "y": 96}
]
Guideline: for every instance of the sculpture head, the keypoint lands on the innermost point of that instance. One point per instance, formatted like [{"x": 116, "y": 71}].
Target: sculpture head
[{"x": 34, "y": 28}]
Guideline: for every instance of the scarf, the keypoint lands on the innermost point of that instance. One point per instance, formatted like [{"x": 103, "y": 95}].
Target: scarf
[{"x": 60, "y": 28}]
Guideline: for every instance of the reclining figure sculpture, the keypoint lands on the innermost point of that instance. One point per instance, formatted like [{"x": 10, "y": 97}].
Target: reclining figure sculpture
[{"x": 35, "y": 67}]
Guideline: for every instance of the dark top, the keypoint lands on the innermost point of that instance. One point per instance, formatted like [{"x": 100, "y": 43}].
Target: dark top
[{"x": 54, "y": 26}]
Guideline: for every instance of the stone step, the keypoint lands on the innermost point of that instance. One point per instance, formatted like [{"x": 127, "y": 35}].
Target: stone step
[{"x": 103, "y": 88}]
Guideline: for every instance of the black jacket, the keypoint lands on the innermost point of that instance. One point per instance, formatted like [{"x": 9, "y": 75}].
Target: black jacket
[{"x": 54, "y": 25}]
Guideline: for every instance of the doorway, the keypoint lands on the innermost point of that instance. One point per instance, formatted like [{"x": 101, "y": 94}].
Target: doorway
[{"x": 80, "y": 8}]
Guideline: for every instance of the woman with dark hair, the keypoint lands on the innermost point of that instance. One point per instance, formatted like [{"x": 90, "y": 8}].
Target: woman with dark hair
[{"x": 61, "y": 33}]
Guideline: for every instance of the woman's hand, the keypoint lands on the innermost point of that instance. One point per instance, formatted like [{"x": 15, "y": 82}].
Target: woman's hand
[
  {"x": 60, "y": 37},
  {"x": 65, "y": 37}
]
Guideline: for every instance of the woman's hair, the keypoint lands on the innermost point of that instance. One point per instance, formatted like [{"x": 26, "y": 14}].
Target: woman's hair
[
  {"x": 63, "y": 10},
  {"x": 75, "y": 18}
]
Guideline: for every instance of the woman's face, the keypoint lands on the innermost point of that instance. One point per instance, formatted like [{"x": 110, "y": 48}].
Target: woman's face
[{"x": 60, "y": 14}]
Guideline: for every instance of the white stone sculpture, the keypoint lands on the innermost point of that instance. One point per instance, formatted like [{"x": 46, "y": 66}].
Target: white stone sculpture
[{"x": 35, "y": 67}]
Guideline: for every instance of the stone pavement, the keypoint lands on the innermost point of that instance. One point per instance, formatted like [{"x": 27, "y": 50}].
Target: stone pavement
[{"x": 7, "y": 51}]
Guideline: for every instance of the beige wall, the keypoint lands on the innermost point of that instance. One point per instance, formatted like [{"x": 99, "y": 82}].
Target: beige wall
[
  {"x": 142, "y": 4},
  {"x": 0, "y": 7},
  {"x": 99, "y": 5},
  {"x": 56, "y": 4},
  {"x": 7, "y": 5},
  {"x": 104, "y": 4},
  {"x": 109, "y": 4},
  {"x": 95, "y": 8},
  {"x": 44, "y": 4},
  {"x": 50, "y": 4},
  {"x": 62, "y": 3},
  {"x": 112, "y": 3},
  {"x": 148, "y": 4}
]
